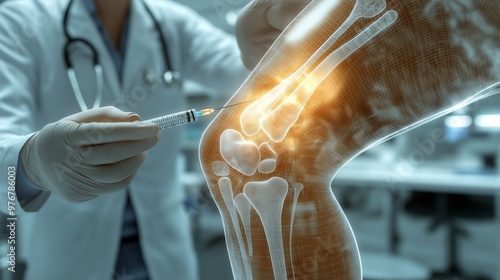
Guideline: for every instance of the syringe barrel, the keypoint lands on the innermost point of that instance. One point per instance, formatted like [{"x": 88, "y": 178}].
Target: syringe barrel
[{"x": 174, "y": 119}]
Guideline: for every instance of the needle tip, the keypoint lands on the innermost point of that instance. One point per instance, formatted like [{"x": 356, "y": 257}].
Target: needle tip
[{"x": 208, "y": 111}]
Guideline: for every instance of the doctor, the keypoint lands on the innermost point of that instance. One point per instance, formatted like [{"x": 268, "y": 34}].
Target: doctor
[{"x": 75, "y": 78}]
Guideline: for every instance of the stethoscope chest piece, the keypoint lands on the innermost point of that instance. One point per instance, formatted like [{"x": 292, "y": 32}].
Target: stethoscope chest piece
[{"x": 170, "y": 79}]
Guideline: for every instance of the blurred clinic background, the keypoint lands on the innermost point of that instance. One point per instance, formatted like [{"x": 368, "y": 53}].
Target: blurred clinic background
[{"x": 424, "y": 205}]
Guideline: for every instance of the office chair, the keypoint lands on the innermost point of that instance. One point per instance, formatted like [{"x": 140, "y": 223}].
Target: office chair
[{"x": 446, "y": 209}]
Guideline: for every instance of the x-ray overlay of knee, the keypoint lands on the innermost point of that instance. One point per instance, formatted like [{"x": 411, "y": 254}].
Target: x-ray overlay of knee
[{"x": 344, "y": 76}]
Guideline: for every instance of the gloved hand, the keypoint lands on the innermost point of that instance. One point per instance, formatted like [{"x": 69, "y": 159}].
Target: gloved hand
[
  {"x": 260, "y": 23},
  {"x": 89, "y": 153}
]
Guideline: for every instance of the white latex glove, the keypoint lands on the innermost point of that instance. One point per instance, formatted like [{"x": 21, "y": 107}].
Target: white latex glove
[
  {"x": 89, "y": 153},
  {"x": 260, "y": 23}
]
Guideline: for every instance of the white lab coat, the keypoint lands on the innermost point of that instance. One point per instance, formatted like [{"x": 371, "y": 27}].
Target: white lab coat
[{"x": 80, "y": 241}]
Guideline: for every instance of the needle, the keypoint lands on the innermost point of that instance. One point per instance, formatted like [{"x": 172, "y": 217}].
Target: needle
[{"x": 234, "y": 104}]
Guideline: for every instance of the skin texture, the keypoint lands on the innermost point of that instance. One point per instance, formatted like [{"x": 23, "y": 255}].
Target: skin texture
[
  {"x": 112, "y": 14},
  {"x": 437, "y": 56}
]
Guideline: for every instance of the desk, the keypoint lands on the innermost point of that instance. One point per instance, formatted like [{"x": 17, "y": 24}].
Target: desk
[{"x": 388, "y": 176}]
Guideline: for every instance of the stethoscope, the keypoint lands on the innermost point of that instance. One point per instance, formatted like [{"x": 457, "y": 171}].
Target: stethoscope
[{"x": 170, "y": 77}]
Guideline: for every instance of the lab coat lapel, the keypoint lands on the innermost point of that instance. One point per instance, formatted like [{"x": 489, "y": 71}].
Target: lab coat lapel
[
  {"x": 81, "y": 25},
  {"x": 143, "y": 48}
]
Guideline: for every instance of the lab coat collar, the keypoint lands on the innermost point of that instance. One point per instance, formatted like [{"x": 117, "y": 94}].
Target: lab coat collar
[{"x": 90, "y": 6}]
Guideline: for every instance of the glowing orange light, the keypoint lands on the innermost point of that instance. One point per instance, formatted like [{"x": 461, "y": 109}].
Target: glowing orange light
[
  {"x": 291, "y": 144},
  {"x": 310, "y": 83}
]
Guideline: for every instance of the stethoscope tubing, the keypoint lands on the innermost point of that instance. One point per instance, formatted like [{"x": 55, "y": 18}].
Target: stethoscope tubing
[{"x": 169, "y": 77}]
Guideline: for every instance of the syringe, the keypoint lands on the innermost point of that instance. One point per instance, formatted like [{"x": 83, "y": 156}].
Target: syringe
[
  {"x": 179, "y": 118},
  {"x": 187, "y": 116}
]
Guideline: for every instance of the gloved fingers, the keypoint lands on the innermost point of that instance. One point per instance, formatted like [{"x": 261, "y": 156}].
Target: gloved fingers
[
  {"x": 100, "y": 133},
  {"x": 254, "y": 35},
  {"x": 73, "y": 193},
  {"x": 281, "y": 14},
  {"x": 103, "y": 114},
  {"x": 277, "y": 13},
  {"x": 260, "y": 23},
  {"x": 114, "y": 187},
  {"x": 112, "y": 173},
  {"x": 81, "y": 188},
  {"x": 78, "y": 198},
  {"x": 117, "y": 151}
]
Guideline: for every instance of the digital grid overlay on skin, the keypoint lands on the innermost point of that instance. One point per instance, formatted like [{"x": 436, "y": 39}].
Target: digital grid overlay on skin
[{"x": 343, "y": 77}]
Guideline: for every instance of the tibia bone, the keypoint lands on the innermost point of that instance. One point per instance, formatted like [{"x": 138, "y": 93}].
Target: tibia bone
[
  {"x": 277, "y": 123},
  {"x": 240, "y": 154},
  {"x": 244, "y": 207},
  {"x": 267, "y": 198},
  {"x": 227, "y": 195}
]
